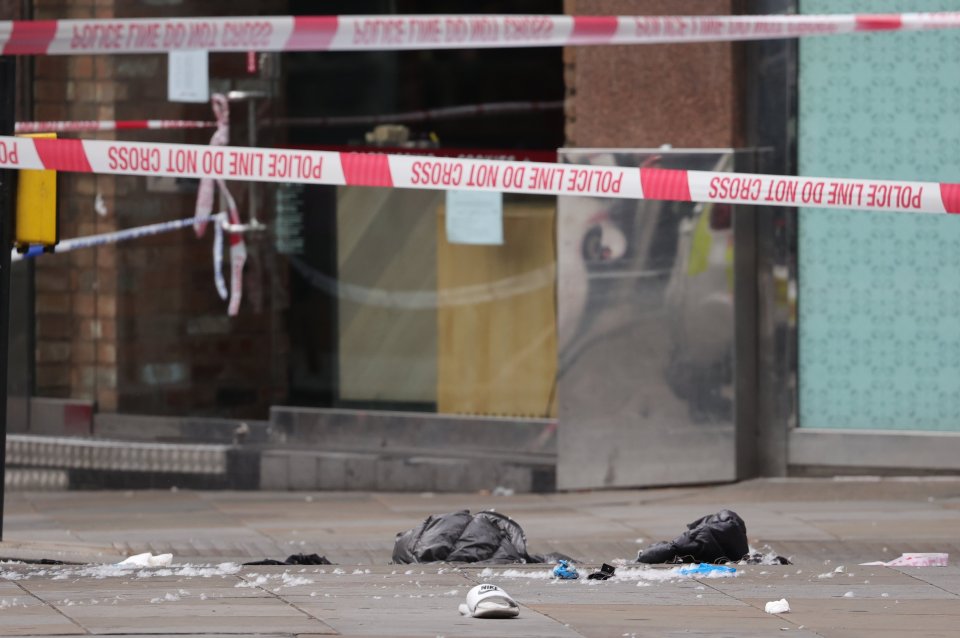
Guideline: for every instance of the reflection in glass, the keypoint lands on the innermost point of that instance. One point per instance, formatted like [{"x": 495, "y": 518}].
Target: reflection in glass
[{"x": 646, "y": 328}]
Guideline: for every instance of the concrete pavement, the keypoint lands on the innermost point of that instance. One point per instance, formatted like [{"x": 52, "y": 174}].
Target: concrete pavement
[{"x": 825, "y": 526}]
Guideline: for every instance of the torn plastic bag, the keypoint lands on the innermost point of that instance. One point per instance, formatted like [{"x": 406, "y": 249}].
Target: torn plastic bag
[
  {"x": 468, "y": 538},
  {"x": 718, "y": 538}
]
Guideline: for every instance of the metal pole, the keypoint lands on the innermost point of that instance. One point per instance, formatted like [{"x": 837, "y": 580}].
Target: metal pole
[
  {"x": 8, "y": 79},
  {"x": 252, "y": 132}
]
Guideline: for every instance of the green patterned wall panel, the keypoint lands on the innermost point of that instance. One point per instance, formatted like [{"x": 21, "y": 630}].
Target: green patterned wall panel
[{"x": 879, "y": 301}]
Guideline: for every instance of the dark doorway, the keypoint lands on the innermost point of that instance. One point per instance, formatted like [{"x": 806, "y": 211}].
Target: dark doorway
[{"x": 330, "y": 84}]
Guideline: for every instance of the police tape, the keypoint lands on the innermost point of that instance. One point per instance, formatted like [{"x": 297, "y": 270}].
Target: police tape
[
  {"x": 222, "y": 226},
  {"x": 423, "y": 32},
  {"x": 424, "y": 115},
  {"x": 447, "y": 173},
  {"x": 80, "y": 126},
  {"x": 103, "y": 239}
]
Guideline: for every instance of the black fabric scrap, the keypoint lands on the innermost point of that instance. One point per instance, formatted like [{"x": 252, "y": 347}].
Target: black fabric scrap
[
  {"x": 295, "y": 559},
  {"x": 606, "y": 571}
]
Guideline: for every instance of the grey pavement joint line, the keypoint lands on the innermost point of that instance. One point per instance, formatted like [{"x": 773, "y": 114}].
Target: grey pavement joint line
[
  {"x": 738, "y": 600},
  {"x": 927, "y": 582},
  {"x": 556, "y": 620},
  {"x": 51, "y": 606},
  {"x": 282, "y": 599}
]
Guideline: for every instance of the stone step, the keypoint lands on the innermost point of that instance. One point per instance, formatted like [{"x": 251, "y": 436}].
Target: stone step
[
  {"x": 127, "y": 456},
  {"x": 35, "y": 480},
  {"x": 389, "y": 472},
  {"x": 96, "y": 463}
]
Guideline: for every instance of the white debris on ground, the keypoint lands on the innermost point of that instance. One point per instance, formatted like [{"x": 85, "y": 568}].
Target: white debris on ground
[
  {"x": 628, "y": 574},
  {"x": 258, "y": 581},
  {"x": 768, "y": 556},
  {"x": 777, "y": 606},
  {"x": 839, "y": 570},
  {"x": 294, "y": 581},
  {"x": 99, "y": 572},
  {"x": 147, "y": 560}
]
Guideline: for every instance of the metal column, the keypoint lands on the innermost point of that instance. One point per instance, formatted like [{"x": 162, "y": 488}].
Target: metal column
[{"x": 8, "y": 74}]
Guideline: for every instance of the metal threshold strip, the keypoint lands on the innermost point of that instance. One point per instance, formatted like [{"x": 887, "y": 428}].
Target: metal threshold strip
[{"x": 127, "y": 456}]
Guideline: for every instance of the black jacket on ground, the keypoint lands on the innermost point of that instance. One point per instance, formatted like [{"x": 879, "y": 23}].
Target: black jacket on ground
[
  {"x": 462, "y": 537},
  {"x": 718, "y": 538}
]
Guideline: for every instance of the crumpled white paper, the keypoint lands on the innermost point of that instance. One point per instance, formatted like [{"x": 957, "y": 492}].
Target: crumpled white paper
[
  {"x": 147, "y": 560},
  {"x": 777, "y": 606}
]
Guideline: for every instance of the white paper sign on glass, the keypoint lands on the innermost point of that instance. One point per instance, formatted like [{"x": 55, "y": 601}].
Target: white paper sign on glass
[
  {"x": 475, "y": 217},
  {"x": 188, "y": 77}
]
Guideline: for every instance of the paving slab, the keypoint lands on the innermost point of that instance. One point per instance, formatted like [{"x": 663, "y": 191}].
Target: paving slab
[{"x": 821, "y": 524}]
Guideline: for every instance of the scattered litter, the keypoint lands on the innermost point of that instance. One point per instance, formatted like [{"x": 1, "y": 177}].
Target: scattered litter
[
  {"x": 777, "y": 606},
  {"x": 764, "y": 556},
  {"x": 849, "y": 594},
  {"x": 921, "y": 559},
  {"x": 259, "y": 580},
  {"x": 147, "y": 560},
  {"x": 706, "y": 569},
  {"x": 565, "y": 571},
  {"x": 294, "y": 581},
  {"x": 502, "y": 491},
  {"x": 489, "y": 601},
  {"x": 606, "y": 571}
]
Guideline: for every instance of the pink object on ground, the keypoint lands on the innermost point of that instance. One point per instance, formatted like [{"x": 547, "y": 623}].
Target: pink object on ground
[{"x": 915, "y": 560}]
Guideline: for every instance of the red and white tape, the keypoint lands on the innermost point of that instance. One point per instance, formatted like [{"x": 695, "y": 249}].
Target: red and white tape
[
  {"x": 448, "y": 173},
  {"x": 425, "y": 115},
  {"x": 396, "y": 32},
  {"x": 79, "y": 126}
]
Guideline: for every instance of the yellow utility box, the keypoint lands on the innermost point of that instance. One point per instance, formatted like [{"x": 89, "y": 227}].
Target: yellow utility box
[{"x": 36, "y": 220}]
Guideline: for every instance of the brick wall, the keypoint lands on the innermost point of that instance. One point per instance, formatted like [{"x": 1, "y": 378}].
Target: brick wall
[
  {"x": 685, "y": 95},
  {"x": 138, "y": 326},
  {"x": 76, "y": 293}
]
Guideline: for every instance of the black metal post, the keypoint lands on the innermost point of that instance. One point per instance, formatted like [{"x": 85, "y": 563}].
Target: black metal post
[{"x": 8, "y": 79}]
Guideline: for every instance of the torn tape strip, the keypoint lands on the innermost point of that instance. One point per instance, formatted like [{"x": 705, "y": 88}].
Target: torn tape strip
[
  {"x": 90, "y": 241},
  {"x": 447, "y": 173},
  {"x": 78, "y": 126},
  {"x": 427, "y": 32},
  {"x": 426, "y": 115}
]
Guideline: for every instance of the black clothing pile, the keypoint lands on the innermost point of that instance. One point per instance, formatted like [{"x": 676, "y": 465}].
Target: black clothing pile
[
  {"x": 718, "y": 538},
  {"x": 462, "y": 537}
]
